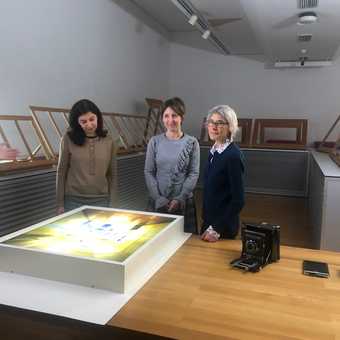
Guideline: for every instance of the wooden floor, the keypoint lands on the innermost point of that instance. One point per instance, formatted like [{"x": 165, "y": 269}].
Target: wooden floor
[{"x": 290, "y": 213}]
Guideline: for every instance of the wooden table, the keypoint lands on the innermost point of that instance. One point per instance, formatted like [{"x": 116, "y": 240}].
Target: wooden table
[{"x": 197, "y": 295}]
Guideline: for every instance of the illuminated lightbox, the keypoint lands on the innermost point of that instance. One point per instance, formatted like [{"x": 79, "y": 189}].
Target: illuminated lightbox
[{"x": 97, "y": 247}]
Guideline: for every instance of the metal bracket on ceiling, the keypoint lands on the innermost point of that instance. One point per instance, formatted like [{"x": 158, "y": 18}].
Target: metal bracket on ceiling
[{"x": 201, "y": 24}]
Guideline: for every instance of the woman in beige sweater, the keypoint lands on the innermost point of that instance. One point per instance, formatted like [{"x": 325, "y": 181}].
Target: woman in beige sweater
[{"x": 86, "y": 173}]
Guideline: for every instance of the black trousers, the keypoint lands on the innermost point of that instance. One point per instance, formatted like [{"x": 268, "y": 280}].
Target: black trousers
[{"x": 189, "y": 213}]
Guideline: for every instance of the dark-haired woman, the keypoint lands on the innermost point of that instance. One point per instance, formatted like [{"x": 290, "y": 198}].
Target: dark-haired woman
[
  {"x": 86, "y": 173},
  {"x": 172, "y": 167}
]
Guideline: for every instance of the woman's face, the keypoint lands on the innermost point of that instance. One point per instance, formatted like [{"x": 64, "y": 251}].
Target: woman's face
[
  {"x": 218, "y": 128},
  {"x": 88, "y": 122},
  {"x": 171, "y": 120}
]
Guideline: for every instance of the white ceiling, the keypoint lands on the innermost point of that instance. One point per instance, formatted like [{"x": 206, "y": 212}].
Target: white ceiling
[{"x": 267, "y": 27}]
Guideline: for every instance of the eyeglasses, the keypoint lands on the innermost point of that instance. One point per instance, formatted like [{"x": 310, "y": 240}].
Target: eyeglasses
[{"x": 218, "y": 123}]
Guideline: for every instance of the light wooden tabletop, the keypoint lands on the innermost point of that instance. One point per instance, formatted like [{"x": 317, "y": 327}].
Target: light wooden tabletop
[{"x": 197, "y": 295}]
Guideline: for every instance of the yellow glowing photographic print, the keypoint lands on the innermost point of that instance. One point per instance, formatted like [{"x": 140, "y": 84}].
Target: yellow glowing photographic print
[{"x": 94, "y": 233}]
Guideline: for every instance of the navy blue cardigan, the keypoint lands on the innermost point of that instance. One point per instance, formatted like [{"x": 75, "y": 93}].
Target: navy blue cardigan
[{"x": 223, "y": 196}]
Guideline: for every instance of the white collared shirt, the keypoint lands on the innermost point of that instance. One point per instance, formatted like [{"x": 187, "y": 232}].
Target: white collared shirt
[{"x": 220, "y": 147}]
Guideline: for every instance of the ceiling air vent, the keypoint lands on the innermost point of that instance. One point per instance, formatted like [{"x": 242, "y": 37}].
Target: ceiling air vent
[
  {"x": 307, "y": 3},
  {"x": 300, "y": 64},
  {"x": 304, "y": 37}
]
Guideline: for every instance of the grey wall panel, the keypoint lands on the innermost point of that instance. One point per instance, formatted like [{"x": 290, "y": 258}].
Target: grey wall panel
[
  {"x": 132, "y": 191},
  {"x": 330, "y": 235},
  {"x": 275, "y": 172},
  {"x": 324, "y": 212},
  {"x": 29, "y": 197},
  {"x": 26, "y": 199},
  {"x": 315, "y": 201},
  {"x": 281, "y": 172}
]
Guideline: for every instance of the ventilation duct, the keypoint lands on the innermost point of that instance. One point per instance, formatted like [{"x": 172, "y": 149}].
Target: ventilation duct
[
  {"x": 307, "y": 3},
  {"x": 300, "y": 64}
]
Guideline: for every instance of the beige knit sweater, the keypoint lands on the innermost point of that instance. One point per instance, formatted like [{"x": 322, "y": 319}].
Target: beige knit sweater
[{"x": 89, "y": 170}]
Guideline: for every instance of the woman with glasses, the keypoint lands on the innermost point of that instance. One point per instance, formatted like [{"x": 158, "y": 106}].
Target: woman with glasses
[
  {"x": 223, "y": 196},
  {"x": 172, "y": 167}
]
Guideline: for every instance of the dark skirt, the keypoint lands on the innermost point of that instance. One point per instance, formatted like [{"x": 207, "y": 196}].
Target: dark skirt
[
  {"x": 189, "y": 213},
  {"x": 73, "y": 202}
]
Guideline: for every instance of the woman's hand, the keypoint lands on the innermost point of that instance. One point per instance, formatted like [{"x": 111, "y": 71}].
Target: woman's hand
[
  {"x": 173, "y": 206},
  {"x": 210, "y": 235},
  {"x": 7, "y": 153}
]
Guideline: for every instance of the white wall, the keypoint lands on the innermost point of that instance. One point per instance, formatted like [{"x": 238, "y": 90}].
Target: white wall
[
  {"x": 205, "y": 79},
  {"x": 56, "y": 52}
]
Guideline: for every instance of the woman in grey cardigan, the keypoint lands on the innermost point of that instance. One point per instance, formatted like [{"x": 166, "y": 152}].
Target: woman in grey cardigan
[{"x": 172, "y": 167}]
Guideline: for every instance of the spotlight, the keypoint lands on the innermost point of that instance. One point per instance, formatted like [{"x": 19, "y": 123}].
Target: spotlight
[
  {"x": 193, "y": 19},
  {"x": 307, "y": 18},
  {"x": 206, "y": 34}
]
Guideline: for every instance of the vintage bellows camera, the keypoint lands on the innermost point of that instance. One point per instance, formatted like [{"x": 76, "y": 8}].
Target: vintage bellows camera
[{"x": 260, "y": 246}]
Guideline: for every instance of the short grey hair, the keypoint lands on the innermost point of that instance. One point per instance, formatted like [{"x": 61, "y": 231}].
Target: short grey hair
[{"x": 228, "y": 114}]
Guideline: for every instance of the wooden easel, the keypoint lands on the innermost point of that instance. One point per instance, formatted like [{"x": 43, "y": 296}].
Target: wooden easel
[
  {"x": 323, "y": 148},
  {"x": 335, "y": 154},
  {"x": 34, "y": 151},
  {"x": 154, "y": 117}
]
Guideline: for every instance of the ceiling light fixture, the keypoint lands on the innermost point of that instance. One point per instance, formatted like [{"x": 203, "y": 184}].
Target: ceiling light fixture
[
  {"x": 201, "y": 24},
  {"x": 206, "y": 34},
  {"x": 307, "y": 18},
  {"x": 193, "y": 19}
]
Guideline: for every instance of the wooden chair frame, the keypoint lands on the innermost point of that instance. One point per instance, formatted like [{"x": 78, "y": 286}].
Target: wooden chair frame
[
  {"x": 258, "y": 140},
  {"x": 244, "y": 123},
  {"x": 32, "y": 160}
]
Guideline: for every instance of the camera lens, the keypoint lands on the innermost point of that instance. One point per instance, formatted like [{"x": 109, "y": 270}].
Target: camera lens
[{"x": 252, "y": 247}]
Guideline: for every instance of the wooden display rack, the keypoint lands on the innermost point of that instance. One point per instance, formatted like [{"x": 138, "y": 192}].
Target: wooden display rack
[
  {"x": 32, "y": 153},
  {"x": 49, "y": 124},
  {"x": 260, "y": 126},
  {"x": 153, "y": 126},
  {"x": 335, "y": 154},
  {"x": 245, "y": 126},
  {"x": 323, "y": 145},
  {"x": 128, "y": 130}
]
